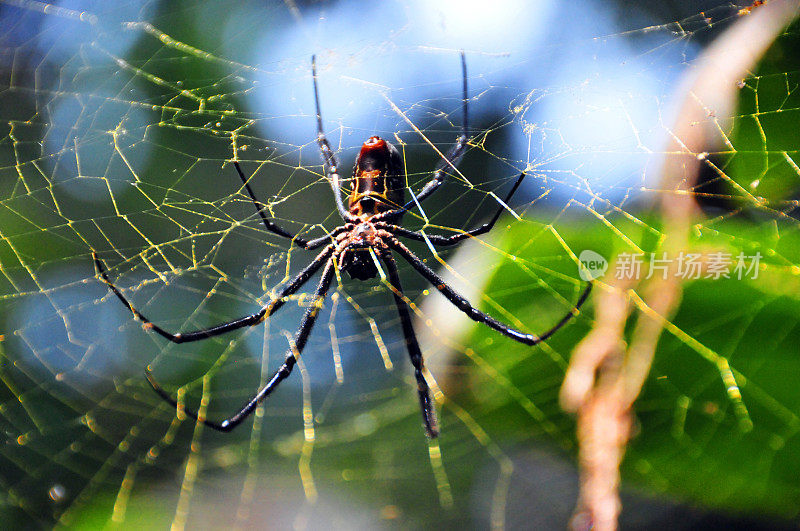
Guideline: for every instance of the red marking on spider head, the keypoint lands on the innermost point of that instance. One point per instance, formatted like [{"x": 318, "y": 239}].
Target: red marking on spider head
[{"x": 372, "y": 143}]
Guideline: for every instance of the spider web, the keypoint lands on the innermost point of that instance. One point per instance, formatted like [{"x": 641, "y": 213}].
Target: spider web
[{"x": 118, "y": 130}]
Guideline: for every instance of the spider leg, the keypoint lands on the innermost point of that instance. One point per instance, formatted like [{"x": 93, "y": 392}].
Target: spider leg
[
  {"x": 249, "y": 320},
  {"x": 473, "y": 313},
  {"x": 274, "y": 227},
  {"x": 414, "y": 352},
  {"x": 437, "y": 239},
  {"x": 328, "y": 156},
  {"x": 450, "y": 161},
  {"x": 285, "y": 370}
]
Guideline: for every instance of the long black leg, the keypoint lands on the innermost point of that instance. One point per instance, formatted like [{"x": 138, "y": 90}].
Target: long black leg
[
  {"x": 328, "y": 156},
  {"x": 437, "y": 239},
  {"x": 450, "y": 161},
  {"x": 249, "y": 320},
  {"x": 425, "y": 402},
  {"x": 285, "y": 370},
  {"x": 463, "y": 304},
  {"x": 274, "y": 227}
]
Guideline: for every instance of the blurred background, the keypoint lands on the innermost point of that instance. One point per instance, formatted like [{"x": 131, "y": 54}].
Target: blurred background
[{"x": 118, "y": 123}]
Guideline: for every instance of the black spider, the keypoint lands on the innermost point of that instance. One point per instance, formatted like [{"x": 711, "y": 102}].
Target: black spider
[{"x": 377, "y": 204}]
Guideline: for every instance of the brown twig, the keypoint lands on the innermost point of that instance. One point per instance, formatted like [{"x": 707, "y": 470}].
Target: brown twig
[{"x": 605, "y": 377}]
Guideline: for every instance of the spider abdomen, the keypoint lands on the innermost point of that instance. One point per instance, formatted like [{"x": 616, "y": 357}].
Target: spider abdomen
[{"x": 378, "y": 179}]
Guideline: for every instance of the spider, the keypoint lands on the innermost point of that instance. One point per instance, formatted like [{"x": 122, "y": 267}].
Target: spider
[{"x": 367, "y": 237}]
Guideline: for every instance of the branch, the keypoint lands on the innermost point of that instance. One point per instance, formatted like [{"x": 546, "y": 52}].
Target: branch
[{"x": 604, "y": 377}]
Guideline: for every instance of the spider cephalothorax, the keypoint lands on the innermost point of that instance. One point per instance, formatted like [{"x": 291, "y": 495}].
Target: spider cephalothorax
[
  {"x": 356, "y": 257},
  {"x": 366, "y": 241}
]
